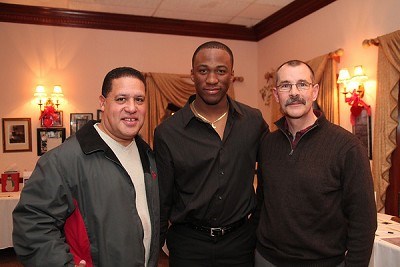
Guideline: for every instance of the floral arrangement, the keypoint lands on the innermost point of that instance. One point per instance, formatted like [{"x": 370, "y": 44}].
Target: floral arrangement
[{"x": 49, "y": 115}]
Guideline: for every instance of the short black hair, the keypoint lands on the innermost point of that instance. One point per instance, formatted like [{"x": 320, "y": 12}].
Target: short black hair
[
  {"x": 213, "y": 44},
  {"x": 119, "y": 73},
  {"x": 294, "y": 63}
]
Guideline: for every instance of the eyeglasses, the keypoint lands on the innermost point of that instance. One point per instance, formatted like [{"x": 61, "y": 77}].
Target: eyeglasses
[{"x": 286, "y": 87}]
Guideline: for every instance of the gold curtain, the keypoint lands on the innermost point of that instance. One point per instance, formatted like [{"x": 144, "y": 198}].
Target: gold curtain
[
  {"x": 325, "y": 69},
  {"x": 386, "y": 114},
  {"x": 162, "y": 89}
]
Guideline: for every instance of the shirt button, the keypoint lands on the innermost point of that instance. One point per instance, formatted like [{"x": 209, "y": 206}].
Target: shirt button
[
  {"x": 220, "y": 198},
  {"x": 222, "y": 173}
]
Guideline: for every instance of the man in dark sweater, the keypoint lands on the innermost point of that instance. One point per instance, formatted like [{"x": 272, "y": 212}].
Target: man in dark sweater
[{"x": 318, "y": 204}]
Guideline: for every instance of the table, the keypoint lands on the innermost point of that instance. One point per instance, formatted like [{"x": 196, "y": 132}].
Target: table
[
  {"x": 8, "y": 201},
  {"x": 386, "y": 251}
]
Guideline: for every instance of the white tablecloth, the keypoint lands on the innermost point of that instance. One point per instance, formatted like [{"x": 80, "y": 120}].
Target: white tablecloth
[
  {"x": 8, "y": 201},
  {"x": 385, "y": 253}
]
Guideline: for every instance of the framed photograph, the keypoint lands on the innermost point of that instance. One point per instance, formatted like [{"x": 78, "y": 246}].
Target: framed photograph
[
  {"x": 77, "y": 120},
  {"x": 99, "y": 113},
  {"x": 56, "y": 123},
  {"x": 17, "y": 135},
  {"x": 49, "y": 138},
  {"x": 362, "y": 129}
]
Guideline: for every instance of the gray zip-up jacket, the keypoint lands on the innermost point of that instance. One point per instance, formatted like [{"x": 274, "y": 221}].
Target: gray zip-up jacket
[{"x": 84, "y": 171}]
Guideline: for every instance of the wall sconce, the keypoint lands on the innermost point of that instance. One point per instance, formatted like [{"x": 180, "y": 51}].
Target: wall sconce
[
  {"x": 352, "y": 84},
  {"x": 353, "y": 89},
  {"x": 42, "y": 99}
]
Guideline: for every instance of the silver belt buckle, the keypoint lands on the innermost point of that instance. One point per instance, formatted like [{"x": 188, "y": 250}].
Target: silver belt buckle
[{"x": 219, "y": 229}]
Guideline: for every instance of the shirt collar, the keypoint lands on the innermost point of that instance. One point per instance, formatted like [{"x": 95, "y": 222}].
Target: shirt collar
[{"x": 188, "y": 114}]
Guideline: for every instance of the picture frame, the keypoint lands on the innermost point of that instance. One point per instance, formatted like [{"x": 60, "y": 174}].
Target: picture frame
[
  {"x": 99, "y": 114},
  {"x": 77, "y": 120},
  {"x": 49, "y": 138},
  {"x": 362, "y": 129},
  {"x": 57, "y": 123},
  {"x": 17, "y": 135}
]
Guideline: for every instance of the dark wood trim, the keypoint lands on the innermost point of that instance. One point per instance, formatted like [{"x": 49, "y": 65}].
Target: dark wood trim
[
  {"x": 120, "y": 22},
  {"x": 289, "y": 14}
]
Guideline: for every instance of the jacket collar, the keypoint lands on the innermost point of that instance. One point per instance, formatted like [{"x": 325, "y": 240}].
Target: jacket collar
[{"x": 91, "y": 142}]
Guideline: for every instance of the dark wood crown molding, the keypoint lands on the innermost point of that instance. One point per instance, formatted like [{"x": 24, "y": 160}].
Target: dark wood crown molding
[
  {"x": 99, "y": 20},
  {"x": 293, "y": 12}
]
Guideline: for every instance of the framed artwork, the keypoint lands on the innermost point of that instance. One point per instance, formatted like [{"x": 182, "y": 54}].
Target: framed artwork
[
  {"x": 99, "y": 113},
  {"x": 49, "y": 138},
  {"x": 362, "y": 129},
  {"x": 56, "y": 123},
  {"x": 17, "y": 135},
  {"x": 77, "y": 120}
]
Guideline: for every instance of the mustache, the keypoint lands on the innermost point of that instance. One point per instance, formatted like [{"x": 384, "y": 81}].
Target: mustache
[{"x": 295, "y": 99}]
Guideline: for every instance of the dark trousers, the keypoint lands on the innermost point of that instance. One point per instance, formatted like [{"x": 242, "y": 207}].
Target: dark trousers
[{"x": 189, "y": 247}]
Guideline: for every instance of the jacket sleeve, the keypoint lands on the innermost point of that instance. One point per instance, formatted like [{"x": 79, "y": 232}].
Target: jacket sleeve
[
  {"x": 40, "y": 215},
  {"x": 165, "y": 181},
  {"x": 359, "y": 206}
]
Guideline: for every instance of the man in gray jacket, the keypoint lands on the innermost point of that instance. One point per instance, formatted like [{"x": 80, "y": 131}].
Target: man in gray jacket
[{"x": 93, "y": 200}]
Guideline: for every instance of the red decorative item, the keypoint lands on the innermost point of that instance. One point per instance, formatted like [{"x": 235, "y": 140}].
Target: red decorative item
[
  {"x": 48, "y": 115},
  {"x": 356, "y": 110},
  {"x": 10, "y": 182},
  {"x": 357, "y": 105}
]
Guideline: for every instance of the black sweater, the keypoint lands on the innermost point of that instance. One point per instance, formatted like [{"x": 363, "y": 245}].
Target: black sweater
[{"x": 318, "y": 200}]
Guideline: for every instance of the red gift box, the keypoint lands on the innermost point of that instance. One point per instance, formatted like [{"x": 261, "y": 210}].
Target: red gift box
[{"x": 10, "y": 182}]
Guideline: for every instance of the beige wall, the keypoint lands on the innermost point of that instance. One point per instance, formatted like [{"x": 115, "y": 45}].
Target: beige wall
[{"x": 78, "y": 59}]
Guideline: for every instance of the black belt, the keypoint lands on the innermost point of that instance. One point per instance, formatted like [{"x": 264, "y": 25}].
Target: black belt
[{"x": 218, "y": 231}]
